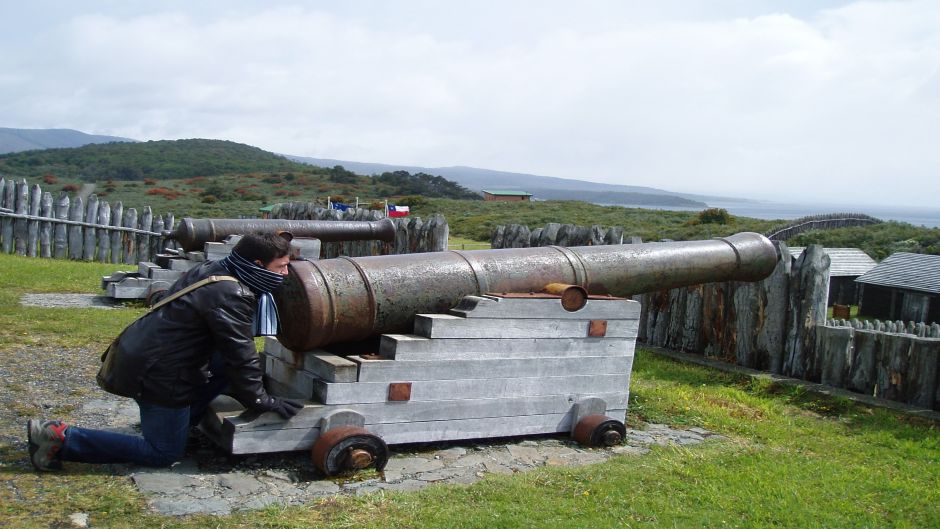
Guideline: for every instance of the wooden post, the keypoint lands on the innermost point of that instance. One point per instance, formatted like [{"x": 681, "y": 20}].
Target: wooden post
[
  {"x": 76, "y": 242},
  {"x": 834, "y": 353},
  {"x": 32, "y": 226},
  {"x": 676, "y": 313},
  {"x": 746, "y": 307},
  {"x": 809, "y": 292},
  {"x": 168, "y": 224},
  {"x": 129, "y": 239},
  {"x": 91, "y": 215},
  {"x": 923, "y": 375},
  {"x": 692, "y": 320},
  {"x": 715, "y": 319},
  {"x": 771, "y": 322},
  {"x": 143, "y": 240},
  {"x": 893, "y": 367},
  {"x": 20, "y": 230},
  {"x": 866, "y": 355},
  {"x": 45, "y": 227},
  {"x": 104, "y": 241},
  {"x": 117, "y": 220},
  {"x": 61, "y": 230},
  {"x": 8, "y": 201},
  {"x": 438, "y": 233},
  {"x": 155, "y": 241}
]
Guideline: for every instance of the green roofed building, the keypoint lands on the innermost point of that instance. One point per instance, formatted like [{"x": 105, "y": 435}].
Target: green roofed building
[{"x": 506, "y": 196}]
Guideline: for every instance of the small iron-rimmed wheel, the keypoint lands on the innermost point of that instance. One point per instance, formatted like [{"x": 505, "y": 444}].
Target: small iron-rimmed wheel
[
  {"x": 349, "y": 448},
  {"x": 599, "y": 430}
]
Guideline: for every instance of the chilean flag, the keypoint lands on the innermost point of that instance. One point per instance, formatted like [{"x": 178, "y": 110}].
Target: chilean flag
[{"x": 398, "y": 211}]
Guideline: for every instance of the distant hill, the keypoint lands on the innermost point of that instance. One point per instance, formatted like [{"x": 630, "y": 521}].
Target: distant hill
[
  {"x": 16, "y": 140},
  {"x": 542, "y": 187},
  {"x": 160, "y": 160}
]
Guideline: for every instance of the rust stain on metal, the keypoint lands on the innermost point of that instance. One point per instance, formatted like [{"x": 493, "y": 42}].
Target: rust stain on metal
[
  {"x": 597, "y": 328},
  {"x": 399, "y": 391}
]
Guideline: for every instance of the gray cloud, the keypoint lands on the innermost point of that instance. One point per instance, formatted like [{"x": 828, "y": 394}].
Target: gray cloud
[{"x": 749, "y": 99}]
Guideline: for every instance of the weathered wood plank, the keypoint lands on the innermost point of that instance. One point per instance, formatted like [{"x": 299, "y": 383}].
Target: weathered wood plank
[
  {"x": 128, "y": 239},
  {"x": 45, "y": 227},
  {"x": 61, "y": 230},
  {"x": 143, "y": 240},
  {"x": 447, "y": 326},
  {"x": 20, "y": 207},
  {"x": 156, "y": 242},
  {"x": 32, "y": 226},
  {"x": 773, "y": 296},
  {"x": 834, "y": 354},
  {"x": 491, "y": 307},
  {"x": 103, "y": 237},
  {"x": 90, "y": 241},
  {"x": 866, "y": 354},
  {"x": 76, "y": 240},
  {"x": 394, "y": 370},
  {"x": 408, "y": 347},
  {"x": 923, "y": 376},
  {"x": 398, "y": 433},
  {"x": 366, "y": 392},
  {"x": 893, "y": 367},
  {"x": 425, "y": 411},
  {"x": 117, "y": 221},
  {"x": 7, "y": 201},
  {"x": 809, "y": 292}
]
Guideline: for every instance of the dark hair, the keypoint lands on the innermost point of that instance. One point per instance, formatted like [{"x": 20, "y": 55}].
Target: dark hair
[{"x": 264, "y": 247}]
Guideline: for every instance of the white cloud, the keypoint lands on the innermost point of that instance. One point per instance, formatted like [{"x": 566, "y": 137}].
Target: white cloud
[{"x": 835, "y": 104}]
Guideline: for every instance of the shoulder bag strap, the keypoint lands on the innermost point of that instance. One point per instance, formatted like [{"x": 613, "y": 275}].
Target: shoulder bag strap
[{"x": 190, "y": 288}]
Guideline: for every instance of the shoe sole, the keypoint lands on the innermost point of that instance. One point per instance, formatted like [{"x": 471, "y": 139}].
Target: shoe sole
[{"x": 34, "y": 447}]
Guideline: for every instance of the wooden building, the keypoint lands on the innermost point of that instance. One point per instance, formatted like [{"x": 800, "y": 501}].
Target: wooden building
[
  {"x": 506, "y": 196},
  {"x": 846, "y": 265},
  {"x": 905, "y": 286}
]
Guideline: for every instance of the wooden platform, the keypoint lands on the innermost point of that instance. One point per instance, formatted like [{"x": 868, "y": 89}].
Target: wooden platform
[{"x": 493, "y": 367}]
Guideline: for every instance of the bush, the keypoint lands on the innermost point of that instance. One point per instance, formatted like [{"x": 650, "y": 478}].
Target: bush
[
  {"x": 70, "y": 188},
  {"x": 714, "y": 216},
  {"x": 412, "y": 201},
  {"x": 50, "y": 179}
]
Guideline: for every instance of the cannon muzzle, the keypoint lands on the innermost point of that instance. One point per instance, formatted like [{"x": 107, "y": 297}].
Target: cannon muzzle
[
  {"x": 347, "y": 299},
  {"x": 193, "y": 234}
]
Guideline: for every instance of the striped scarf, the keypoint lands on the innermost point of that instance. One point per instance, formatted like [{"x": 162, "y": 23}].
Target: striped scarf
[{"x": 261, "y": 282}]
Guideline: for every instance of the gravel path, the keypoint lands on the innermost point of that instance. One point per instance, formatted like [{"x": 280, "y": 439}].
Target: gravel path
[{"x": 53, "y": 383}]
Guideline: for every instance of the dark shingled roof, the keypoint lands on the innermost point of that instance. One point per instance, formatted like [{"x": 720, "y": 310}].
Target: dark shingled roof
[
  {"x": 846, "y": 262},
  {"x": 910, "y": 271}
]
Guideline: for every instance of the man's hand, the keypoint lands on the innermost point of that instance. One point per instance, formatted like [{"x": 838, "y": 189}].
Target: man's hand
[{"x": 284, "y": 407}]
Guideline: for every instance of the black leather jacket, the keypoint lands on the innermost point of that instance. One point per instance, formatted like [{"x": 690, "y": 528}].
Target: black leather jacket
[{"x": 163, "y": 357}]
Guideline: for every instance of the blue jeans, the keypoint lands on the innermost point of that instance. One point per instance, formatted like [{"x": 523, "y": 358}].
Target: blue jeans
[{"x": 165, "y": 431}]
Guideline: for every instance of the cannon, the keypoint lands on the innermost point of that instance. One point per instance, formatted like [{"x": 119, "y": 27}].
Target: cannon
[
  {"x": 502, "y": 343},
  {"x": 349, "y": 299},
  {"x": 192, "y": 234}
]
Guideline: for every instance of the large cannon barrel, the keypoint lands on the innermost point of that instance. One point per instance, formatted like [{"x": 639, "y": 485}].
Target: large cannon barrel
[
  {"x": 348, "y": 299},
  {"x": 192, "y": 234}
]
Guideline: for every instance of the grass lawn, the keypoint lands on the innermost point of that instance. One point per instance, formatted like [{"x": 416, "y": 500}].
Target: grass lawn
[{"x": 791, "y": 459}]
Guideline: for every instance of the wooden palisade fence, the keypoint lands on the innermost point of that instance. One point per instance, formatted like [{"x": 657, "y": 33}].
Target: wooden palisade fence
[
  {"x": 33, "y": 224},
  {"x": 779, "y": 325}
]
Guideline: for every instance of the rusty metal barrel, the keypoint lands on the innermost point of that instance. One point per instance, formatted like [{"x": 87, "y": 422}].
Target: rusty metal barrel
[
  {"x": 349, "y": 299},
  {"x": 193, "y": 234}
]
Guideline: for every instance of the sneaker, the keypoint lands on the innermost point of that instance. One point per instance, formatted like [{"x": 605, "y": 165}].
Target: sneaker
[{"x": 45, "y": 441}]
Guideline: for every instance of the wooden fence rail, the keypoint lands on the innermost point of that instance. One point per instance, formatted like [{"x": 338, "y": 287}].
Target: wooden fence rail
[{"x": 32, "y": 224}]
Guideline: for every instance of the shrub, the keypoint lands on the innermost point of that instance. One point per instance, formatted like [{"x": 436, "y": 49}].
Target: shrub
[
  {"x": 149, "y": 181},
  {"x": 714, "y": 216},
  {"x": 50, "y": 179},
  {"x": 70, "y": 188},
  {"x": 412, "y": 201}
]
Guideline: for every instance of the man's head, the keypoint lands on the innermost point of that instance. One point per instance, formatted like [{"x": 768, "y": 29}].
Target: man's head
[{"x": 267, "y": 250}]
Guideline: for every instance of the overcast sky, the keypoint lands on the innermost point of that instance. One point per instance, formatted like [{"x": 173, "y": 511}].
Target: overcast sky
[{"x": 823, "y": 101}]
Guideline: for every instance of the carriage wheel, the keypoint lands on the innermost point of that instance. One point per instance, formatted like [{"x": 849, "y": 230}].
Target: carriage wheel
[
  {"x": 349, "y": 448},
  {"x": 599, "y": 430}
]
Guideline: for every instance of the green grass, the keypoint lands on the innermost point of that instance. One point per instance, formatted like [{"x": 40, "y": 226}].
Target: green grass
[
  {"x": 791, "y": 459},
  {"x": 60, "y": 327}
]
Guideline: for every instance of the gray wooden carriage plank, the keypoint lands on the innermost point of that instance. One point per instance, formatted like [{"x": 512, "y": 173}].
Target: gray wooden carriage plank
[
  {"x": 494, "y": 307},
  {"x": 325, "y": 365},
  {"x": 408, "y": 347},
  {"x": 435, "y": 410},
  {"x": 448, "y": 326},
  {"x": 366, "y": 392},
  {"x": 393, "y": 370},
  {"x": 291, "y": 439},
  {"x": 300, "y": 381}
]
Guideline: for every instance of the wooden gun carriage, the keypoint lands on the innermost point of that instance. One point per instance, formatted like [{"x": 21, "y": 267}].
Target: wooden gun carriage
[{"x": 503, "y": 343}]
